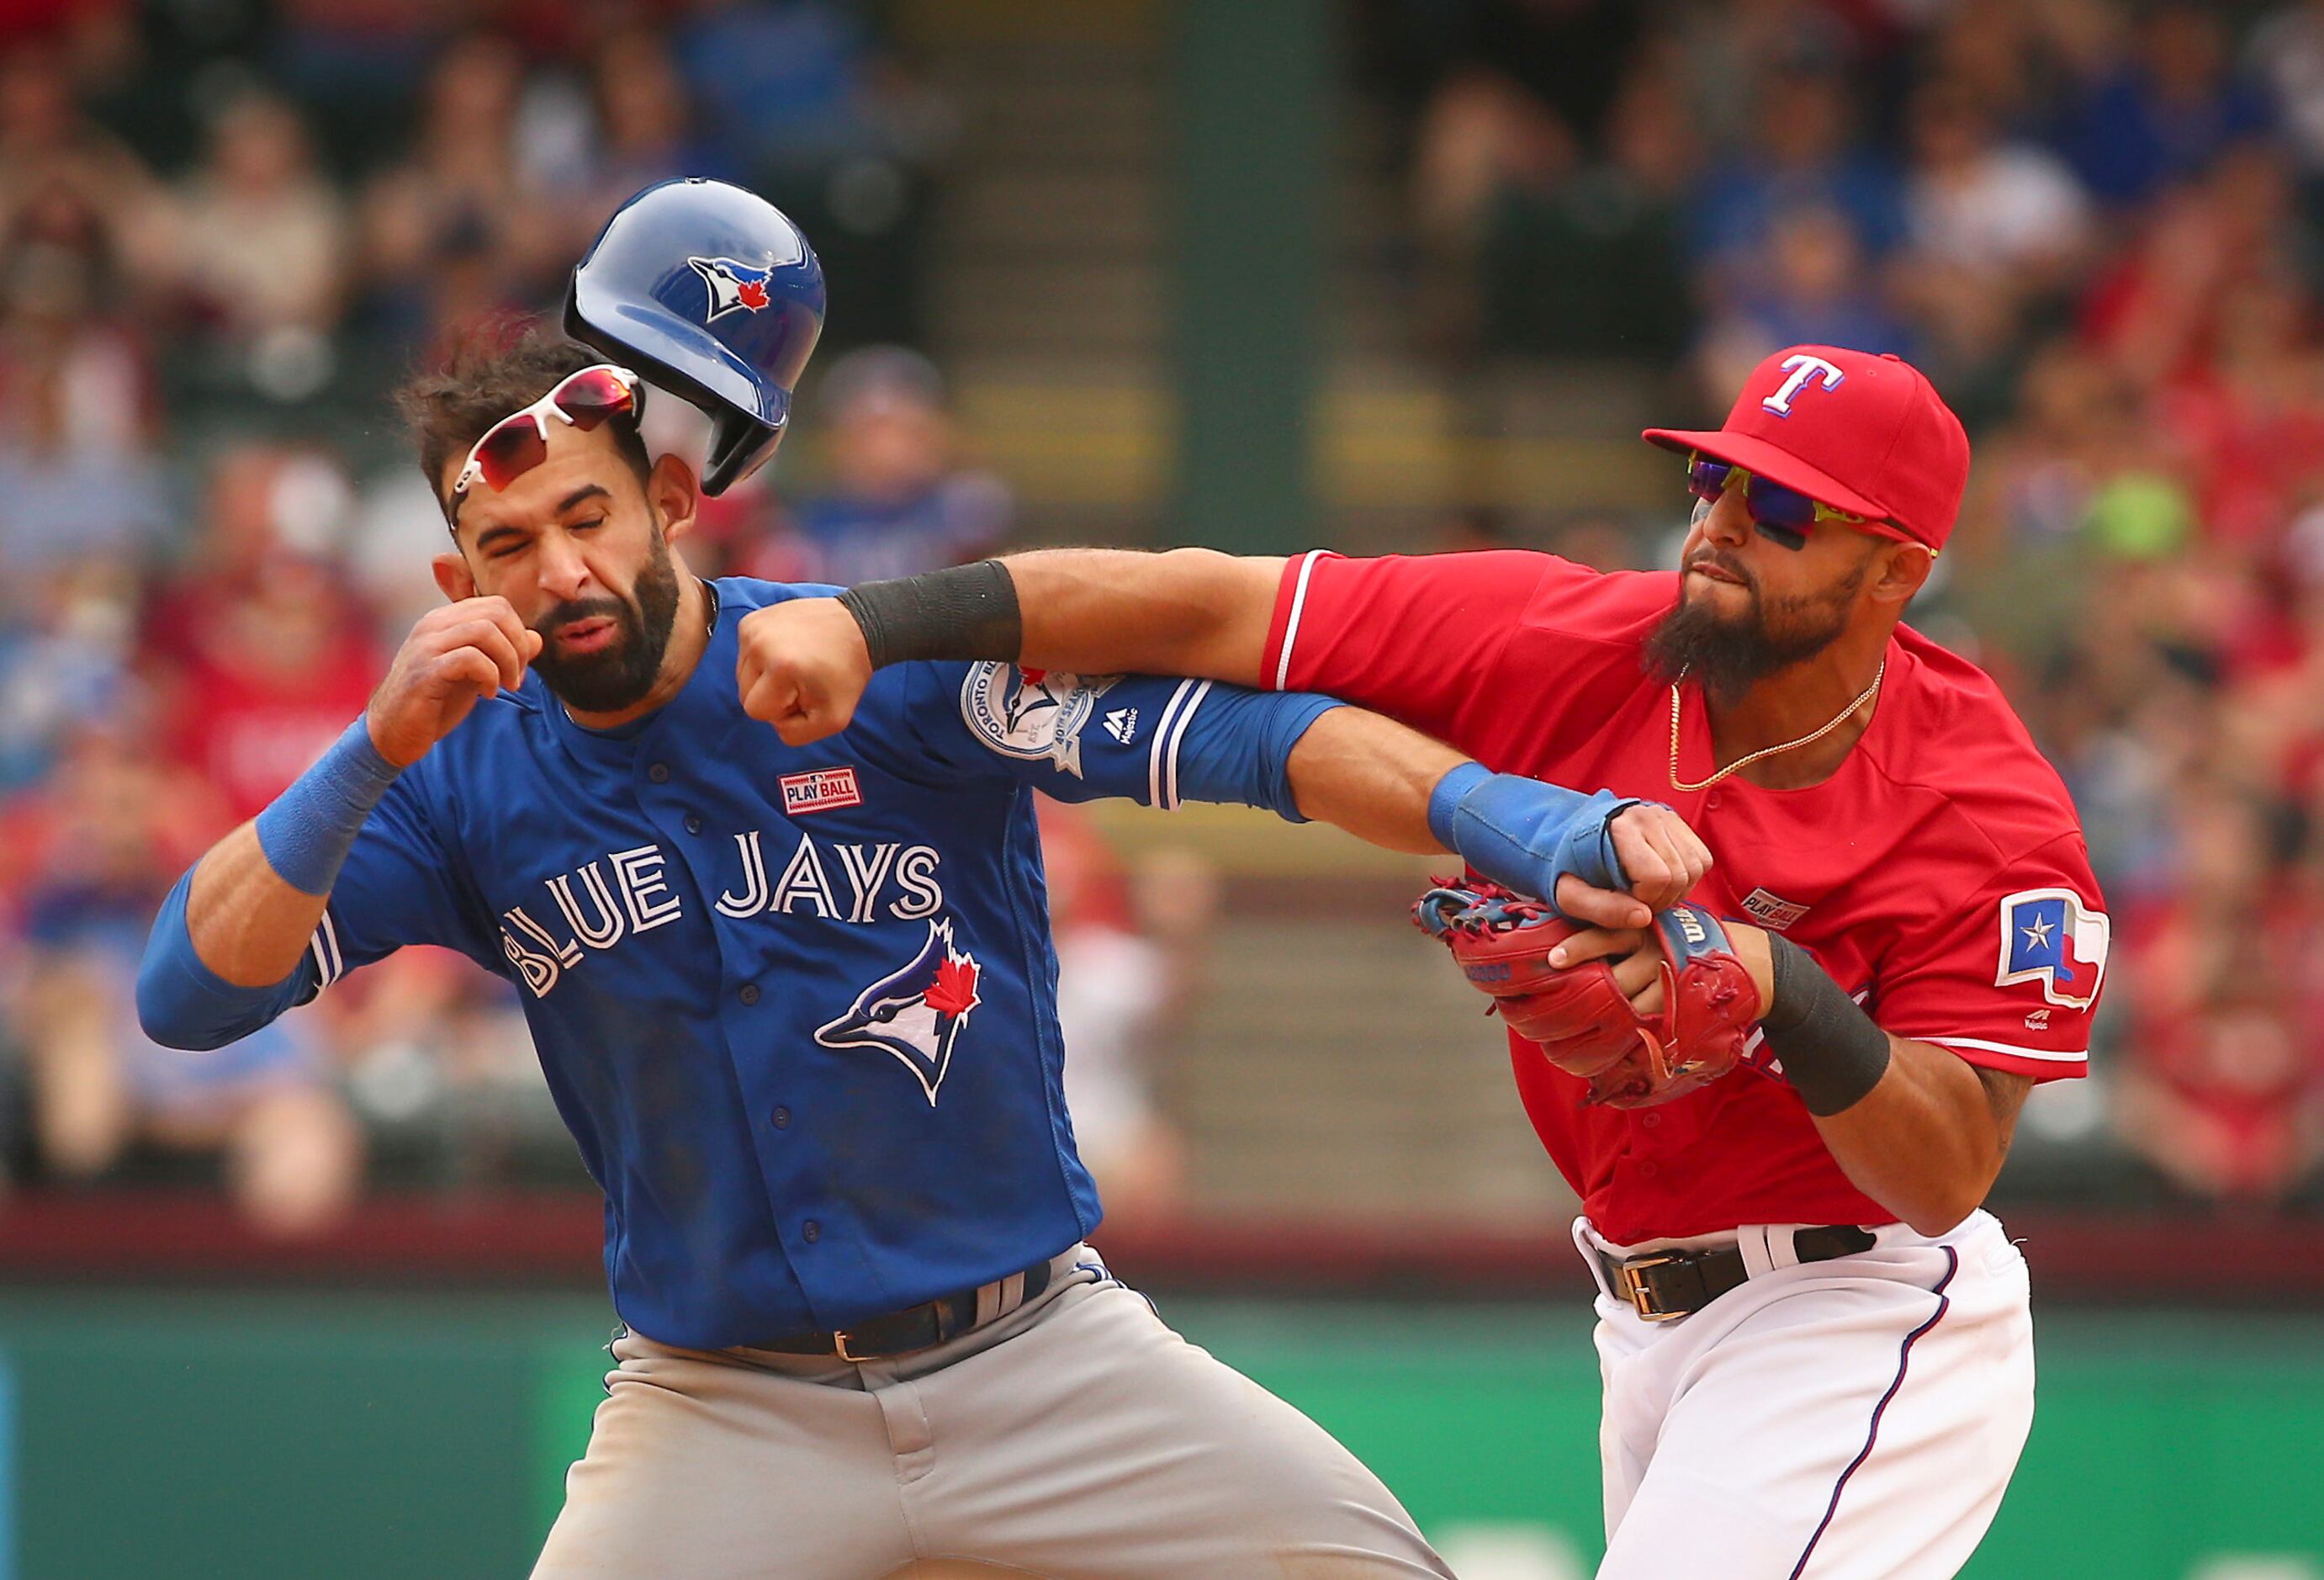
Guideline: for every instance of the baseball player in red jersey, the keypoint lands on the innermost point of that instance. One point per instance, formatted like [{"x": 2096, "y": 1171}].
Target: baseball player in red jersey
[{"x": 1815, "y": 1344}]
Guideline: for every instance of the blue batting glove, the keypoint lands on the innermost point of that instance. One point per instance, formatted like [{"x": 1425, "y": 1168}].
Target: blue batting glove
[{"x": 1524, "y": 834}]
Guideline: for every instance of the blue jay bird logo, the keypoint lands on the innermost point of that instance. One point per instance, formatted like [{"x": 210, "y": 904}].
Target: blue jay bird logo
[
  {"x": 734, "y": 286},
  {"x": 914, "y": 1013}
]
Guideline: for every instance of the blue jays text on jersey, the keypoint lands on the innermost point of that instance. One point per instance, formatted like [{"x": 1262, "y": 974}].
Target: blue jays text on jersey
[{"x": 797, "y": 1004}]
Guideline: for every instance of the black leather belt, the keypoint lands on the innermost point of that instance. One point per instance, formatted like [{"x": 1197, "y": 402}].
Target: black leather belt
[
  {"x": 915, "y": 1328},
  {"x": 1664, "y": 1285}
]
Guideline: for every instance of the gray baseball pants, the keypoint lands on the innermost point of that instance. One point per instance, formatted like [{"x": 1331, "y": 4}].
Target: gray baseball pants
[{"x": 1077, "y": 1436}]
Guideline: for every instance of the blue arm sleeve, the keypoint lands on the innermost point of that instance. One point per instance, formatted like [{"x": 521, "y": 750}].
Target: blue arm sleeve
[
  {"x": 1235, "y": 747},
  {"x": 1151, "y": 739},
  {"x": 1524, "y": 834},
  {"x": 183, "y": 1003}
]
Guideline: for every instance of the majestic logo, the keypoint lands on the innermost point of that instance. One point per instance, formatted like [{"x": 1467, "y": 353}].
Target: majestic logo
[
  {"x": 1801, "y": 368},
  {"x": 1036, "y": 715},
  {"x": 734, "y": 287},
  {"x": 2039, "y": 1020},
  {"x": 820, "y": 791},
  {"x": 1771, "y": 911},
  {"x": 915, "y": 1013},
  {"x": 2046, "y": 937},
  {"x": 1122, "y": 724}
]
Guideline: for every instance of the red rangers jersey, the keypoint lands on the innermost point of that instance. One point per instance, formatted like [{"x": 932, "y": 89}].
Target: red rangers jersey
[{"x": 1939, "y": 874}]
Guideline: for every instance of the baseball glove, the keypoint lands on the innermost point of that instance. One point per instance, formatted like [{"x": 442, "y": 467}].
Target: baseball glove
[{"x": 1579, "y": 1016}]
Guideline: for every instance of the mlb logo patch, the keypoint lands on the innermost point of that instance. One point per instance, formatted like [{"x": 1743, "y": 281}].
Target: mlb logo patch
[
  {"x": 820, "y": 791},
  {"x": 2048, "y": 936},
  {"x": 1771, "y": 911}
]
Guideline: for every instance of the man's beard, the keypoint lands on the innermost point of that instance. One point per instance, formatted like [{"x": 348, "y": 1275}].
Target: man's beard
[
  {"x": 619, "y": 674},
  {"x": 1728, "y": 655}
]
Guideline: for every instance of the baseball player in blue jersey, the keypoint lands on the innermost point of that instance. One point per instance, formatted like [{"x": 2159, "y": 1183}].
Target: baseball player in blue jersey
[{"x": 797, "y": 1006}]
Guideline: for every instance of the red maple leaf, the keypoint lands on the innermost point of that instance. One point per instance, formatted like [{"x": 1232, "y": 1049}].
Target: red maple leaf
[
  {"x": 1032, "y": 677},
  {"x": 751, "y": 294},
  {"x": 953, "y": 992}
]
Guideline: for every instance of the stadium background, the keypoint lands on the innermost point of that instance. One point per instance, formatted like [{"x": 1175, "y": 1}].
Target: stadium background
[{"x": 1377, "y": 273}]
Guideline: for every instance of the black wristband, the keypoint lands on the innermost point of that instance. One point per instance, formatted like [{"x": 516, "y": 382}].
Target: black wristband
[
  {"x": 1831, "y": 1052},
  {"x": 967, "y": 612}
]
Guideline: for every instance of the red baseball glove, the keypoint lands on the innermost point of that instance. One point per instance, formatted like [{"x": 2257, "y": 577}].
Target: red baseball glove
[{"x": 1577, "y": 1014}]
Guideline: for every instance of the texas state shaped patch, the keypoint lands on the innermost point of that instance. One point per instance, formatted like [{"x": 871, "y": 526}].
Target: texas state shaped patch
[{"x": 2048, "y": 936}]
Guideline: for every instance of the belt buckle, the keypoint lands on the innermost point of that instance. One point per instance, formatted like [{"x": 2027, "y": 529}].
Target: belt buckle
[
  {"x": 839, "y": 1343},
  {"x": 1628, "y": 1285}
]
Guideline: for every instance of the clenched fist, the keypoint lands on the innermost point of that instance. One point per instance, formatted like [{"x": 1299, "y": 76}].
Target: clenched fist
[
  {"x": 455, "y": 655},
  {"x": 802, "y": 667},
  {"x": 1662, "y": 857}
]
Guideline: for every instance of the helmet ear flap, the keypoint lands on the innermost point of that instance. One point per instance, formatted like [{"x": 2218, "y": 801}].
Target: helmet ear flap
[{"x": 738, "y": 446}]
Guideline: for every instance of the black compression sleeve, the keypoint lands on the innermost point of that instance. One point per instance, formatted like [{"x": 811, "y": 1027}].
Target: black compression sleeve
[
  {"x": 1832, "y": 1052},
  {"x": 968, "y": 612}
]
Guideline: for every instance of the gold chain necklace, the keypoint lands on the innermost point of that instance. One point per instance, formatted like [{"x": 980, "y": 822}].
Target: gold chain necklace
[{"x": 1845, "y": 713}]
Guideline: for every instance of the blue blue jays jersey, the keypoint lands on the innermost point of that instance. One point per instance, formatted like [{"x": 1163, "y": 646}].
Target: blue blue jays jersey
[{"x": 798, "y": 1005}]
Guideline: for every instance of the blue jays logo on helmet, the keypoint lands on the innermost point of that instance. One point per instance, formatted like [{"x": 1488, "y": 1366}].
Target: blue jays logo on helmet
[
  {"x": 916, "y": 1013},
  {"x": 712, "y": 293},
  {"x": 734, "y": 287}
]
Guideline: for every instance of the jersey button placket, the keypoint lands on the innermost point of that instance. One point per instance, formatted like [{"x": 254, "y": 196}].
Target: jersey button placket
[
  {"x": 782, "y": 1118},
  {"x": 811, "y": 1231},
  {"x": 658, "y": 774},
  {"x": 749, "y": 994}
]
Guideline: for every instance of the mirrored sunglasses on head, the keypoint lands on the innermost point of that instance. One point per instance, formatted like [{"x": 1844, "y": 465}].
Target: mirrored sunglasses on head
[
  {"x": 519, "y": 442},
  {"x": 1781, "y": 515}
]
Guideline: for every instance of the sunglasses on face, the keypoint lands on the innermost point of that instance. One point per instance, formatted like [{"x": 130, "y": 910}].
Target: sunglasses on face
[
  {"x": 1782, "y": 516},
  {"x": 518, "y": 443}
]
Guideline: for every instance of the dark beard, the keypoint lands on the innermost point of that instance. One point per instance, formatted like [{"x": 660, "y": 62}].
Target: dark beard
[
  {"x": 619, "y": 675},
  {"x": 1729, "y": 657}
]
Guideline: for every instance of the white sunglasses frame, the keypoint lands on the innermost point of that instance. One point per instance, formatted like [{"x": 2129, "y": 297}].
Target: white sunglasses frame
[{"x": 472, "y": 471}]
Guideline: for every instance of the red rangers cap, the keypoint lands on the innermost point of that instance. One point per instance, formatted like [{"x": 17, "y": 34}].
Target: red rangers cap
[{"x": 1866, "y": 434}]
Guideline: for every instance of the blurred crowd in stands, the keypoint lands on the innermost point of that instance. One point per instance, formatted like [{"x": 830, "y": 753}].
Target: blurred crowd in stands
[
  {"x": 2098, "y": 226},
  {"x": 225, "y": 232},
  {"x": 226, "y": 229}
]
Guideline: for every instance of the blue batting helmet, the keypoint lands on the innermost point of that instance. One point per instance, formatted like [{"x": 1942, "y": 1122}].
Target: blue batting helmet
[{"x": 709, "y": 292}]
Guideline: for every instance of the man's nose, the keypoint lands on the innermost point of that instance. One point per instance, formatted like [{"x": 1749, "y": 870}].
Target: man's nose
[
  {"x": 1728, "y": 521},
  {"x": 563, "y": 571}
]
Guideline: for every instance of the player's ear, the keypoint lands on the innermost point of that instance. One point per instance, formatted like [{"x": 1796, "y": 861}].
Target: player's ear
[
  {"x": 452, "y": 577},
  {"x": 1899, "y": 571},
  {"x": 674, "y": 494}
]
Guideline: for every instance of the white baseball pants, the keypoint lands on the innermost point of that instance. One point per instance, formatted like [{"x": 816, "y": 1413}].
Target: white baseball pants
[{"x": 1839, "y": 1420}]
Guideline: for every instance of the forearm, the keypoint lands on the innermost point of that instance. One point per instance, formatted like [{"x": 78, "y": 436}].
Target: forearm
[
  {"x": 1911, "y": 1125},
  {"x": 1923, "y": 1142},
  {"x": 1395, "y": 788},
  {"x": 1370, "y": 776},
  {"x": 802, "y": 665},
  {"x": 245, "y": 923},
  {"x": 1109, "y": 611},
  {"x": 261, "y": 891},
  {"x": 251, "y": 924},
  {"x": 223, "y": 952}
]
